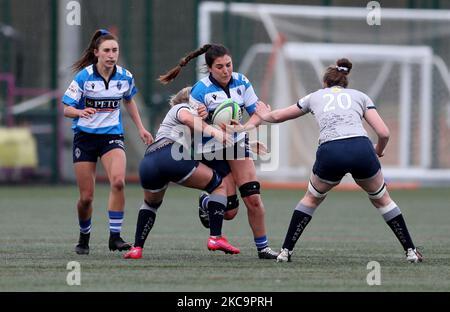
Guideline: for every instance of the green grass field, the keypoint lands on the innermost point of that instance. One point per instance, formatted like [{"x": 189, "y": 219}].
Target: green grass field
[{"x": 38, "y": 231}]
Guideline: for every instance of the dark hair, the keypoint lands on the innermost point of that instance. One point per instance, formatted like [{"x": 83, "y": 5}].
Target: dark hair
[
  {"x": 88, "y": 56},
  {"x": 212, "y": 51},
  {"x": 336, "y": 75}
]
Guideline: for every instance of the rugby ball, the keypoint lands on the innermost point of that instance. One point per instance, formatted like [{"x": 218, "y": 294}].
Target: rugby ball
[{"x": 225, "y": 112}]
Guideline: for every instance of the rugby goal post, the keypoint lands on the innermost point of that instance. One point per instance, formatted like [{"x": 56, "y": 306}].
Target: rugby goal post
[{"x": 408, "y": 82}]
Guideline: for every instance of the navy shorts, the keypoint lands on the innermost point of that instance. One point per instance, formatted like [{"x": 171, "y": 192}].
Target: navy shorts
[
  {"x": 239, "y": 150},
  {"x": 158, "y": 168},
  {"x": 355, "y": 155},
  {"x": 90, "y": 146},
  {"x": 220, "y": 166}
]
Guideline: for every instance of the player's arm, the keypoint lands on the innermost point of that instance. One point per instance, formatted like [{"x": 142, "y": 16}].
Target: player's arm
[
  {"x": 382, "y": 131},
  {"x": 72, "y": 112},
  {"x": 279, "y": 115},
  {"x": 71, "y": 100},
  {"x": 133, "y": 111},
  {"x": 197, "y": 124}
]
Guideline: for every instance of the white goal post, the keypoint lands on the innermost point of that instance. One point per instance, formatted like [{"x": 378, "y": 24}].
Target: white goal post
[{"x": 403, "y": 79}]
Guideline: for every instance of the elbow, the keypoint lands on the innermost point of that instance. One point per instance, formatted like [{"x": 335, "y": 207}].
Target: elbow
[
  {"x": 66, "y": 111},
  {"x": 384, "y": 135}
]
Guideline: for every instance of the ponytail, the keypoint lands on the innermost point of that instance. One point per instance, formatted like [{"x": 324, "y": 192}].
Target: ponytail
[
  {"x": 336, "y": 75},
  {"x": 88, "y": 57},
  {"x": 173, "y": 73}
]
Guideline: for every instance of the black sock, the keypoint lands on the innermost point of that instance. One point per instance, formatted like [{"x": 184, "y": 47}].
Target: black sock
[
  {"x": 300, "y": 219},
  {"x": 393, "y": 217},
  {"x": 145, "y": 221},
  {"x": 398, "y": 226},
  {"x": 216, "y": 209}
]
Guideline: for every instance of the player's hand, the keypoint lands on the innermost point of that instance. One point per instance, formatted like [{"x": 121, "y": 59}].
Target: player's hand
[
  {"x": 234, "y": 127},
  {"x": 146, "y": 136},
  {"x": 202, "y": 111},
  {"x": 262, "y": 110},
  {"x": 223, "y": 137},
  {"x": 258, "y": 147},
  {"x": 379, "y": 153},
  {"x": 87, "y": 112}
]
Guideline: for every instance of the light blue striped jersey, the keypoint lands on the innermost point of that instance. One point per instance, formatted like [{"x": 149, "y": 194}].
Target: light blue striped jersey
[
  {"x": 208, "y": 92},
  {"x": 89, "y": 89}
]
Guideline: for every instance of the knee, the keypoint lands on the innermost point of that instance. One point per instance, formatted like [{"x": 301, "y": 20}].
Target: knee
[
  {"x": 380, "y": 197},
  {"x": 310, "y": 200},
  {"x": 118, "y": 184},
  {"x": 254, "y": 204},
  {"x": 230, "y": 214},
  {"x": 381, "y": 202},
  {"x": 313, "y": 196},
  {"x": 86, "y": 200}
]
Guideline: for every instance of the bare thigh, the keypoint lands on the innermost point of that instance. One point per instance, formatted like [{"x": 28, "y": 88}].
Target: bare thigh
[
  {"x": 115, "y": 162},
  {"x": 243, "y": 170}
]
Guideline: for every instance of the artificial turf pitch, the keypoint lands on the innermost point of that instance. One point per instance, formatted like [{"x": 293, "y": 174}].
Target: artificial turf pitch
[{"x": 38, "y": 232}]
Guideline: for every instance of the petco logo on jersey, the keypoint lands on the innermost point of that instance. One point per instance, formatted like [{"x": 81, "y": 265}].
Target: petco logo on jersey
[{"x": 108, "y": 104}]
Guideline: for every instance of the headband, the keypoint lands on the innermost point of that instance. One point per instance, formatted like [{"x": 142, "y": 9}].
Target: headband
[
  {"x": 104, "y": 32},
  {"x": 342, "y": 68}
]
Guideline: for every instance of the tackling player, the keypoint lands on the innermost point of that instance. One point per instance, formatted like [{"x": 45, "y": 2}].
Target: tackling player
[
  {"x": 222, "y": 84},
  {"x": 169, "y": 160}
]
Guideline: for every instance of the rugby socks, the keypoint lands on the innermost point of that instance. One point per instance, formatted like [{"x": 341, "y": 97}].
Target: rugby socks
[
  {"x": 85, "y": 226},
  {"x": 300, "y": 219},
  {"x": 393, "y": 217},
  {"x": 261, "y": 242},
  {"x": 145, "y": 221},
  {"x": 216, "y": 210},
  {"x": 232, "y": 202},
  {"x": 115, "y": 222},
  {"x": 205, "y": 202}
]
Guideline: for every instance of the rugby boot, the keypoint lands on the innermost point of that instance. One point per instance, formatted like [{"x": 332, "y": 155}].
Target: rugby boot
[
  {"x": 221, "y": 243},
  {"x": 134, "y": 253},
  {"x": 117, "y": 243},
  {"x": 83, "y": 244}
]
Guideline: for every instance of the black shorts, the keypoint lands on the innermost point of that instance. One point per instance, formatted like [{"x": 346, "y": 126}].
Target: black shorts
[
  {"x": 90, "y": 146},
  {"x": 355, "y": 155},
  {"x": 158, "y": 168},
  {"x": 239, "y": 150}
]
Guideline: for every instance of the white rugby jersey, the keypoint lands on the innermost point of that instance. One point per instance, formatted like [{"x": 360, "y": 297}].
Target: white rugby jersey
[
  {"x": 89, "y": 89},
  {"x": 338, "y": 111},
  {"x": 171, "y": 127}
]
